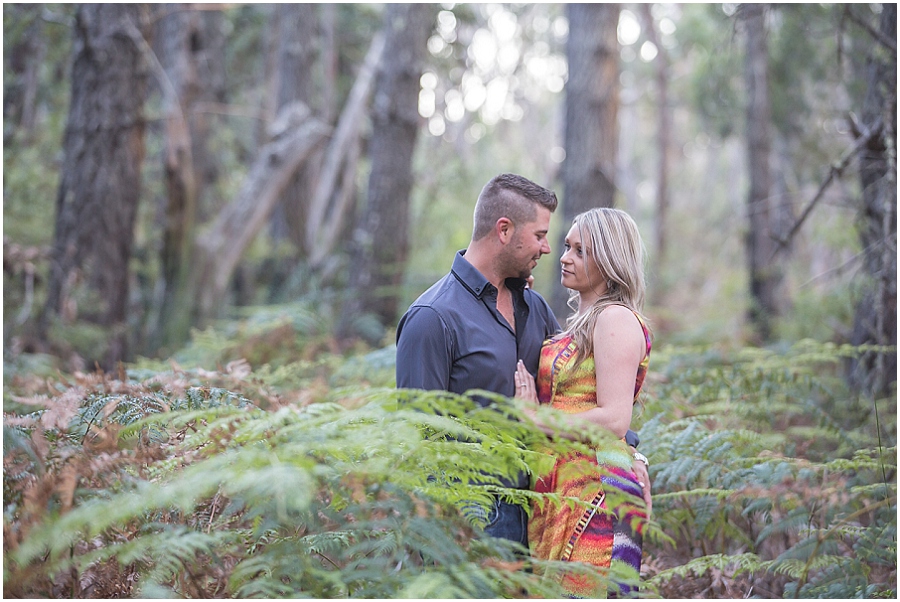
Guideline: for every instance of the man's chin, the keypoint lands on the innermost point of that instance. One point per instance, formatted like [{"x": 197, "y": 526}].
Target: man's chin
[{"x": 526, "y": 272}]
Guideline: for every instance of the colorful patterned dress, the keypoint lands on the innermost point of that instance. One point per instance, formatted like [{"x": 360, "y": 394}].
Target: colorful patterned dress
[{"x": 587, "y": 534}]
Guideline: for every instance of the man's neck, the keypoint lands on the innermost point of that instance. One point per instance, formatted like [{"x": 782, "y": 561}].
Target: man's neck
[{"x": 482, "y": 260}]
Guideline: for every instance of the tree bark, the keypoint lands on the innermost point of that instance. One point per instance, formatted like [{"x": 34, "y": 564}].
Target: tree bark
[
  {"x": 381, "y": 239},
  {"x": 23, "y": 61},
  {"x": 101, "y": 178},
  {"x": 875, "y": 321},
  {"x": 592, "y": 107},
  {"x": 178, "y": 78},
  {"x": 329, "y": 59},
  {"x": 663, "y": 142},
  {"x": 190, "y": 74},
  {"x": 208, "y": 56},
  {"x": 296, "y": 56},
  {"x": 759, "y": 243}
]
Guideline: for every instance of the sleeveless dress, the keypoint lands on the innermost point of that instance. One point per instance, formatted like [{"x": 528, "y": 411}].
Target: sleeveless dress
[{"x": 587, "y": 534}]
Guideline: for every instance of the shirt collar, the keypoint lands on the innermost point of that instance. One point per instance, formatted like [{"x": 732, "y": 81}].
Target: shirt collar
[{"x": 475, "y": 281}]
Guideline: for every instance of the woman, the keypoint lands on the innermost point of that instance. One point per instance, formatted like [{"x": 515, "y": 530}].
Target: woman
[{"x": 592, "y": 373}]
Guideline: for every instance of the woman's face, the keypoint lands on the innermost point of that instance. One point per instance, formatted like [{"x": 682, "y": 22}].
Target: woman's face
[{"x": 579, "y": 270}]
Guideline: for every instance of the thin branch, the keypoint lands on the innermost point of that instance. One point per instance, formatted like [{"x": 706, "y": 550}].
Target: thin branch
[
  {"x": 875, "y": 33},
  {"x": 838, "y": 269},
  {"x": 29, "y": 295},
  {"x": 184, "y": 8},
  {"x": 836, "y": 170},
  {"x": 170, "y": 94},
  {"x": 221, "y": 108},
  {"x": 332, "y": 562}
]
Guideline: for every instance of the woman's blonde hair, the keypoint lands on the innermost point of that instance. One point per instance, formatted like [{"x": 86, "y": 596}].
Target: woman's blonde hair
[{"x": 612, "y": 241}]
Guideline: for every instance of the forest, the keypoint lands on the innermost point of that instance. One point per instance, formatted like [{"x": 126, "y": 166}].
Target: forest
[{"x": 214, "y": 216}]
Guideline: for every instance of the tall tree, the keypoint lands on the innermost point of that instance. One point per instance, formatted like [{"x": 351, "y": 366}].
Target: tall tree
[
  {"x": 189, "y": 44},
  {"x": 875, "y": 320},
  {"x": 101, "y": 176},
  {"x": 297, "y": 52},
  {"x": 381, "y": 238},
  {"x": 663, "y": 142},
  {"x": 759, "y": 241},
  {"x": 592, "y": 108},
  {"x": 23, "y": 61},
  {"x": 329, "y": 58}
]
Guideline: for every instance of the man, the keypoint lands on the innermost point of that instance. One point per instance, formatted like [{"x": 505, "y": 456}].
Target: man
[{"x": 471, "y": 327}]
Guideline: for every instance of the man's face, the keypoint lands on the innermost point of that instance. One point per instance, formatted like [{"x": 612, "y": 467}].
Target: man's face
[{"x": 529, "y": 242}]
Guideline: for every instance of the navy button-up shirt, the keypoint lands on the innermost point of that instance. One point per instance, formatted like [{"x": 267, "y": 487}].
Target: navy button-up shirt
[{"x": 453, "y": 337}]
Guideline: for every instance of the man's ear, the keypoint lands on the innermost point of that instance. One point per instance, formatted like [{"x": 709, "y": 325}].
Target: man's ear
[{"x": 505, "y": 229}]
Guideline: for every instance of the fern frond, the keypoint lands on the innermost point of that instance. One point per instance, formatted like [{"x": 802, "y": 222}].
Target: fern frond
[{"x": 738, "y": 563}]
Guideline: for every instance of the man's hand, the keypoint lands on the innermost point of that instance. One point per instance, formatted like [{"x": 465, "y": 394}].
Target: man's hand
[{"x": 643, "y": 476}]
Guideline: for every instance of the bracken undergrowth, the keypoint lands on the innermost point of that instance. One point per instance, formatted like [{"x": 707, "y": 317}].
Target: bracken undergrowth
[{"x": 316, "y": 478}]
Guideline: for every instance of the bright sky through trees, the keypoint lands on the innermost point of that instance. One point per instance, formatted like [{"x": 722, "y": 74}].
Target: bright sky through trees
[{"x": 501, "y": 64}]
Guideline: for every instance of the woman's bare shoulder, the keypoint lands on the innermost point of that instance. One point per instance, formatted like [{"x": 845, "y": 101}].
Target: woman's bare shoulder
[
  {"x": 618, "y": 321},
  {"x": 617, "y": 314}
]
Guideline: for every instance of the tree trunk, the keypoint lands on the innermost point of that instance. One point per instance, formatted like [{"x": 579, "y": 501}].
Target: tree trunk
[
  {"x": 189, "y": 47},
  {"x": 592, "y": 107},
  {"x": 100, "y": 182},
  {"x": 208, "y": 56},
  {"x": 296, "y": 57},
  {"x": 875, "y": 321},
  {"x": 663, "y": 142},
  {"x": 22, "y": 62},
  {"x": 176, "y": 30},
  {"x": 759, "y": 242},
  {"x": 329, "y": 59},
  {"x": 381, "y": 239}
]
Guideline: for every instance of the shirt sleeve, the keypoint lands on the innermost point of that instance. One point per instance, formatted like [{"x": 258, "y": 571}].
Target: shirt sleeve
[{"x": 424, "y": 351}]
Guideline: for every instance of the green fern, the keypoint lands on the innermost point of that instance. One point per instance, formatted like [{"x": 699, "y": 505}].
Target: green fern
[{"x": 224, "y": 490}]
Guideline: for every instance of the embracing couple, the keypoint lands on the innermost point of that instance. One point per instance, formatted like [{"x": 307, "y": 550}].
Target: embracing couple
[{"x": 482, "y": 327}]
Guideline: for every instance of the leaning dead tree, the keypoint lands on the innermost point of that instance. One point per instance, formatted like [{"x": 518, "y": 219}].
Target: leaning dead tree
[
  {"x": 296, "y": 134},
  {"x": 334, "y": 188}
]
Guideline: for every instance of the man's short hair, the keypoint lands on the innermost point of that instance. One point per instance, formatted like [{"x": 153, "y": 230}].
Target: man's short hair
[{"x": 513, "y": 197}]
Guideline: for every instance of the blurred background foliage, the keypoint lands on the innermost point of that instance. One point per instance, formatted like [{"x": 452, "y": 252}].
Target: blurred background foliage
[{"x": 701, "y": 295}]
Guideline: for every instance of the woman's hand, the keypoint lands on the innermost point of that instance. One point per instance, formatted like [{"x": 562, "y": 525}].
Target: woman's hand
[{"x": 525, "y": 387}]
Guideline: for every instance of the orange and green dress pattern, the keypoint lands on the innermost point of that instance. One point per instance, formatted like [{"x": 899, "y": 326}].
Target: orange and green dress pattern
[{"x": 589, "y": 533}]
